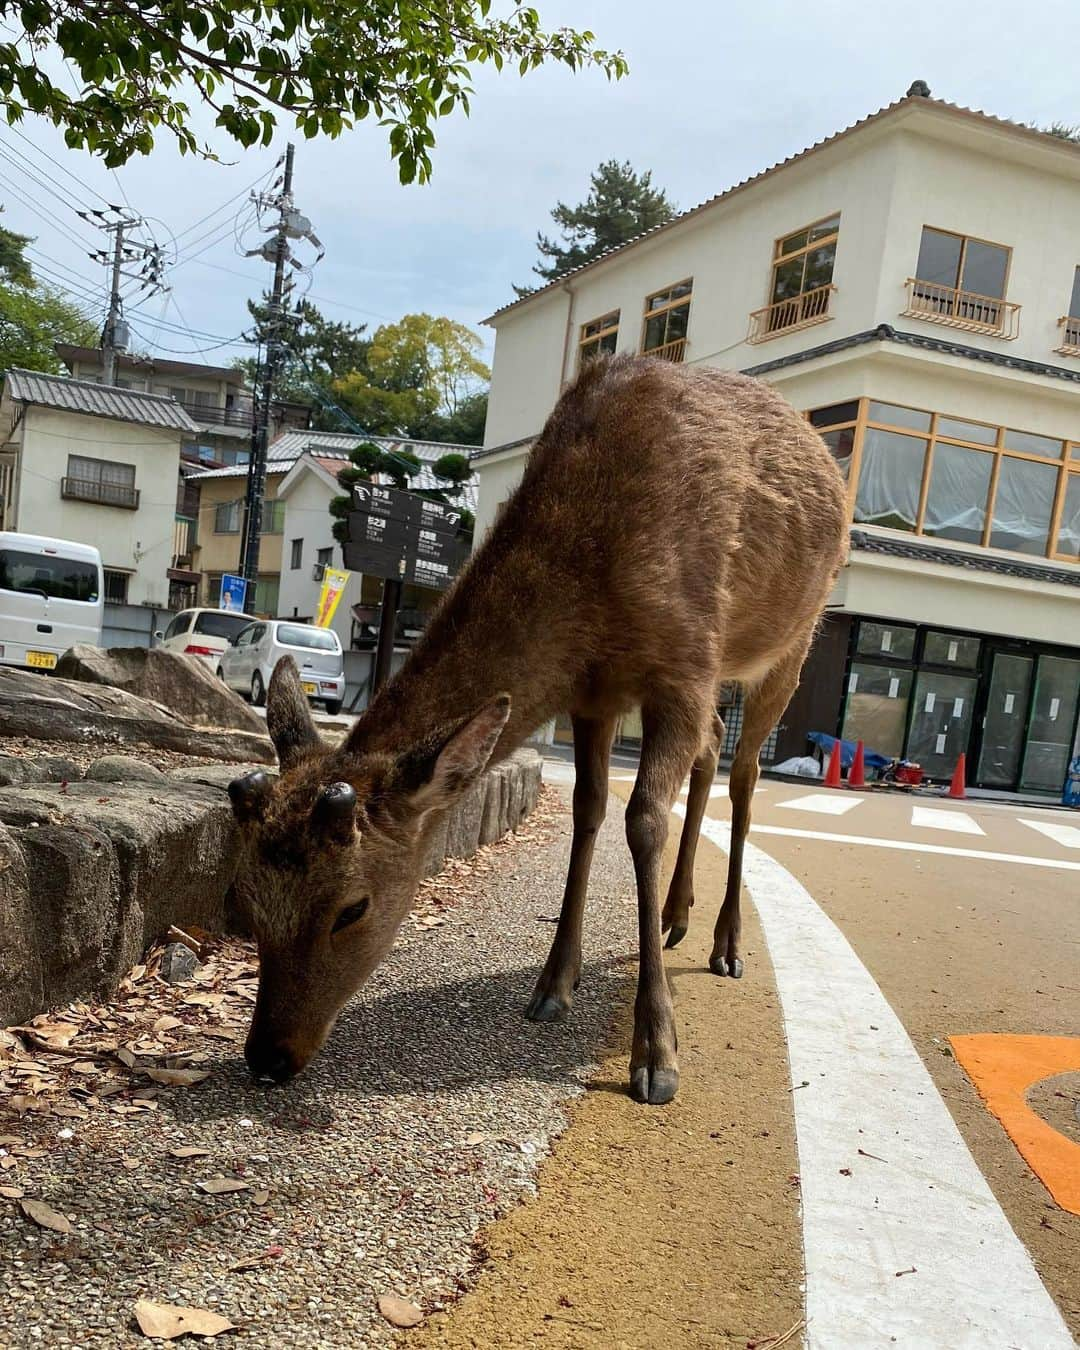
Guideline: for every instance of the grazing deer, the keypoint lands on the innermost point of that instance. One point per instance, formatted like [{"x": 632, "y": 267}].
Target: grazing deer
[{"x": 675, "y": 526}]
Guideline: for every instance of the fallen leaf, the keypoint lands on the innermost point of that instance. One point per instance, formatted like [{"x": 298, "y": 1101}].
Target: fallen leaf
[
  {"x": 189, "y": 1151},
  {"x": 250, "y": 1262},
  {"x": 125, "y": 1056},
  {"x": 168, "y": 1321},
  {"x": 222, "y": 1186},
  {"x": 85, "y": 1066},
  {"x": 7, "y": 1163},
  {"x": 477, "y": 1138},
  {"x": 12, "y": 1192},
  {"x": 166, "y": 1023},
  {"x": 399, "y": 1312},
  {"x": 131, "y": 1163},
  {"x": 44, "y": 1217},
  {"x": 261, "y": 1197},
  {"x": 177, "y": 1077}
]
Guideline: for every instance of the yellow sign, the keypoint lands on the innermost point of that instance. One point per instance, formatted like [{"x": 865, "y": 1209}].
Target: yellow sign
[{"x": 333, "y": 588}]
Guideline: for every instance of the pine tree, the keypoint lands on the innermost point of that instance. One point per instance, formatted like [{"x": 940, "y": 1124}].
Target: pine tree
[{"x": 621, "y": 205}]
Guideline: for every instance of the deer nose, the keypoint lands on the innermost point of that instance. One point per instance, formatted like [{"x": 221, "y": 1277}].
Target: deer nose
[{"x": 270, "y": 1062}]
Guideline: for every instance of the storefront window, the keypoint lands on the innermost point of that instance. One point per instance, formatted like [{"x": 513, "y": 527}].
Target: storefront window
[
  {"x": 876, "y": 708},
  {"x": 959, "y": 487},
  {"x": 940, "y": 720},
  {"x": 890, "y": 479},
  {"x": 1069, "y": 534},
  {"x": 1022, "y": 506},
  {"x": 948, "y": 649},
  {"x": 890, "y": 640}
]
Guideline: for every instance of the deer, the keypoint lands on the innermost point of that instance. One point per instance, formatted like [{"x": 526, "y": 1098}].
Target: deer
[{"x": 675, "y": 526}]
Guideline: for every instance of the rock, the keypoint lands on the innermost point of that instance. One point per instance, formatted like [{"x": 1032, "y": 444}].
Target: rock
[
  {"x": 216, "y": 775},
  {"x": 463, "y": 824},
  {"x": 57, "y": 769},
  {"x": 178, "y": 963},
  {"x": 21, "y": 984},
  {"x": 69, "y": 710},
  {"x": 184, "y": 684},
  {"x": 16, "y": 769},
  {"x": 123, "y": 769},
  {"x": 492, "y": 816}
]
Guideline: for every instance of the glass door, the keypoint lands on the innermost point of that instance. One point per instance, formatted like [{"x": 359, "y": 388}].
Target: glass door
[
  {"x": 940, "y": 721},
  {"x": 1053, "y": 721},
  {"x": 1005, "y": 719}
]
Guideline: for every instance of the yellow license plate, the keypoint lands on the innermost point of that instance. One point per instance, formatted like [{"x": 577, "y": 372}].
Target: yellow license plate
[
  {"x": 43, "y": 660},
  {"x": 309, "y": 688}
]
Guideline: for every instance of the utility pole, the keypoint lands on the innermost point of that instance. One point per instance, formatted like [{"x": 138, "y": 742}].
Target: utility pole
[
  {"x": 150, "y": 278},
  {"x": 290, "y": 225},
  {"x": 110, "y": 335}
]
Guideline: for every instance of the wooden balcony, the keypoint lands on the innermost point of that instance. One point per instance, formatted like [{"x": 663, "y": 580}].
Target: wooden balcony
[
  {"x": 787, "y": 316},
  {"x": 962, "y": 309},
  {"x": 104, "y": 494},
  {"x": 670, "y": 351},
  {"x": 1070, "y": 336}
]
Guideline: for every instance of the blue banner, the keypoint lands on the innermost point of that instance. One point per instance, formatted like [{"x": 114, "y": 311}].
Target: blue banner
[{"x": 233, "y": 591}]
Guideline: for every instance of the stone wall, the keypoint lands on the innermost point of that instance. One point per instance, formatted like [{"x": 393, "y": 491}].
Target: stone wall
[{"x": 94, "y": 871}]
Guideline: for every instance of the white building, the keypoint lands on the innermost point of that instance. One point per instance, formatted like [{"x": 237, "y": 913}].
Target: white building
[
  {"x": 913, "y": 284},
  {"x": 96, "y": 464}
]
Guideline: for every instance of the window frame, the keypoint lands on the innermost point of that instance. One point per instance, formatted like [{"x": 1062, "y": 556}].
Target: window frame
[
  {"x": 966, "y": 239},
  {"x": 586, "y": 339},
  {"x": 649, "y": 314},
  {"x": 778, "y": 258},
  {"x": 125, "y": 577},
  {"x": 296, "y": 554}
]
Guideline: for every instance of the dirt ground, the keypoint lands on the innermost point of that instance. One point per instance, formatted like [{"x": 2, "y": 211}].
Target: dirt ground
[{"x": 676, "y": 1225}]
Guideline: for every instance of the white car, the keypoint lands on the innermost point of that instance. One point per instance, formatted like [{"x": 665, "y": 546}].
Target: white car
[
  {"x": 51, "y": 597},
  {"x": 204, "y": 633},
  {"x": 248, "y": 662}
]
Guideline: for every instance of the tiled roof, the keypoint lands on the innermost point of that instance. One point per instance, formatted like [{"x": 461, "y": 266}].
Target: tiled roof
[
  {"x": 97, "y": 400},
  {"x": 973, "y": 562},
  {"x": 910, "y": 100}
]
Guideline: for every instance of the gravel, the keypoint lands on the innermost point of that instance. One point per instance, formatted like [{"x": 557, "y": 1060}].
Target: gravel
[
  {"x": 86, "y": 751},
  {"x": 425, "y": 1117}
]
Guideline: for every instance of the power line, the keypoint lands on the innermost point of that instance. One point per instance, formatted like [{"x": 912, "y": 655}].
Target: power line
[
  {"x": 63, "y": 169},
  {"x": 24, "y": 166},
  {"x": 227, "y": 203},
  {"x": 198, "y": 351},
  {"x": 43, "y": 213}
]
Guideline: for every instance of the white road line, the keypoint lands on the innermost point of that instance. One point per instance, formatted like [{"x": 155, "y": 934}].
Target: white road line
[
  {"x": 1067, "y": 835},
  {"x": 909, "y": 846},
  {"x": 823, "y": 803},
  {"x": 922, "y": 1202},
  {"x": 934, "y": 818}
]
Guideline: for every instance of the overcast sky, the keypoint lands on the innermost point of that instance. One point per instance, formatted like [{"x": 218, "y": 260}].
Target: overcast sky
[{"x": 716, "y": 91}]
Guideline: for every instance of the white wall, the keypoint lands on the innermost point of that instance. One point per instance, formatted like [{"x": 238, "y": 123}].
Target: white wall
[
  {"x": 138, "y": 541},
  {"x": 307, "y": 517}
]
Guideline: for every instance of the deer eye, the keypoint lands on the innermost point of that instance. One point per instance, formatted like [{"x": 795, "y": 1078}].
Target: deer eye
[{"x": 350, "y": 915}]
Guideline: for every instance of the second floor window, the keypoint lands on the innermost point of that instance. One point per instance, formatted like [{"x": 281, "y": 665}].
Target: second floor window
[
  {"x": 229, "y": 516},
  {"x": 325, "y": 557},
  {"x": 297, "y": 554},
  {"x": 601, "y": 335},
  {"x": 802, "y": 266},
  {"x": 1070, "y": 324},
  {"x": 667, "y": 317},
  {"x": 960, "y": 281},
  {"x": 100, "y": 480}
]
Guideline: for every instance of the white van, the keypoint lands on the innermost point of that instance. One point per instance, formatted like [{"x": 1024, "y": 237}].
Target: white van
[{"x": 52, "y": 595}]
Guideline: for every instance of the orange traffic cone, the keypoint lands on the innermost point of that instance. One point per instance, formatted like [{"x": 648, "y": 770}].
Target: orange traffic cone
[
  {"x": 956, "y": 787},
  {"x": 857, "y": 773},
  {"x": 832, "y": 773}
]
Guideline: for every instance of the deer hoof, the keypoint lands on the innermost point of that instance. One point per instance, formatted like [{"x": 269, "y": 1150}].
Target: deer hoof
[
  {"x": 676, "y": 935},
  {"x": 653, "y": 1088},
  {"x": 546, "y": 1008},
  {"x": 720, "y": 965}
]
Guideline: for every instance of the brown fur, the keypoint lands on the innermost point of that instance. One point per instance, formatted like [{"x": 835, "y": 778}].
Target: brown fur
[{"x": 675, "y": 526}]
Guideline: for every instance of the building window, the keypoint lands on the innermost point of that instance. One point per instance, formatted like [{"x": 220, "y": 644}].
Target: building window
[
  {"x": 101, "y": 481},
  {"x": 667, "y": 317},
  {"x": 228, "y": 517},
  {"x": 601, "y": 335},
  {"x": 266, "y": 596},
  {"x": 800, "y": 286},
  {"x": 273, "y": 517},
  {"x": 116, "y": 587},
  {"x": 1070, "y": 323},
  {"x": 960, "y": 282},
  {"x": 951, "y": 478},
  {"x": 325, "y": 557},
  {"x": 296, "y": 556}
]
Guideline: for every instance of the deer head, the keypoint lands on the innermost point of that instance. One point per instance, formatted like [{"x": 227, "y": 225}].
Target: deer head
[{"x": 333, "y": 854}]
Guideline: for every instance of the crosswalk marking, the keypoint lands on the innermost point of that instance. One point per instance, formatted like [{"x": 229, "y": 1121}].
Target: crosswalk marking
[
  {"x": 822, "y": 804},
  {"x": 933, "y": 818},
  {"x": 1066, "y": 835}
]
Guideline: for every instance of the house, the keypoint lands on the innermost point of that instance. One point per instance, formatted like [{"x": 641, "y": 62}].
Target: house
[
  {"x": 912, "y": 284},
  {"x": 99, "y": 465},
  {"x": 301, "y": 479}
]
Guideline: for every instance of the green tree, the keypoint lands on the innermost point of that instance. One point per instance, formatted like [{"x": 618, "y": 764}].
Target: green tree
[
  {"x": 621, "y": 205},
  {"x": 367, "y": 461},
  {"x": 1062, "y": 130},
  {"x": 13, "y": 265},
  {"x": 322, "y": 64},
  {"x": 34, "y": 318}
]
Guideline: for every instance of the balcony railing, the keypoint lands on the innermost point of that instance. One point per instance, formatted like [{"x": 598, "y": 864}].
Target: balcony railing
[
  {"x": 962, "y": 309},
  {"x": 211, "y": 415},
  {"x": 670, "y": 351},
  {"x": 1070, "y": 336},
  {"x": 785, "y": 316},
  {"x": 104, "y": 494},
  {"x": 185, "y": 539}
]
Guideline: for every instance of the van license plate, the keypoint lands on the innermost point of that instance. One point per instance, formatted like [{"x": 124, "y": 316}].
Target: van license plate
[
  {"x": 43, "y": 660},
  {"x": 309, "y": 688}
]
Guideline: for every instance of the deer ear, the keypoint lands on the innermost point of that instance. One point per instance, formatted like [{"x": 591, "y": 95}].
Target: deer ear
[
  {"x": 288, "y": 717},
  {"x": 431, "y": 776}
]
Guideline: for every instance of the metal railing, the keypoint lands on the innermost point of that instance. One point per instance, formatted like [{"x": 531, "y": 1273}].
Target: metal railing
[
  {"x": 211, "y": 414},
  {"x": 1070, "y": 336},
  {"x": 962, "y": 309},
  {"x": 785, "y": 316},
  {"x": 669, "y": 351},
  {"x": 104, "y": 494}
]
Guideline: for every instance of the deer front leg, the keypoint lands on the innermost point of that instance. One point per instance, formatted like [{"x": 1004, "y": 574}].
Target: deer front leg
[
  {"x": 670, "y": 741},
  {"x": 554, "y": 992}
]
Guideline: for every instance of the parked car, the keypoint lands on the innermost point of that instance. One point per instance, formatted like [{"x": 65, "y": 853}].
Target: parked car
[
  {"x": 51, "y": 597},
  {"x": 247, "y": 664},
  {"x": 204, "y": 633}
]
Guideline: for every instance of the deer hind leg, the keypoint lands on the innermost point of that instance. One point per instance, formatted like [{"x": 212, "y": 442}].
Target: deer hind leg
[
  {"x": 554, "y": 992},
  {"x": 671, "y": 739},
  {"x": 763, "y": 707},
  {"x": 680, "y": 897}
]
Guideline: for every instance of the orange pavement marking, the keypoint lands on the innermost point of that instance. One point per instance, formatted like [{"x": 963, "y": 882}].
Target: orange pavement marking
[{"x": 1003, "y": 1068}]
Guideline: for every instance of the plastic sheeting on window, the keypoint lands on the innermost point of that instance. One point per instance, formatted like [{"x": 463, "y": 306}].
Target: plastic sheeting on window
[
  {"x": 890, "y": 479},
  {"x": 1068, "y": 541},
  {"x": 956, "y": 502},
  {"x": 1022, "y": 506}
]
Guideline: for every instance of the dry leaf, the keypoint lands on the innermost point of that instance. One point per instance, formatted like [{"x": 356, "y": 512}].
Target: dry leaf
[
  {"x": 177, "y": 1077},
  {"x": 477, "y": 1138},
  {"x": 7, "y": 1163},
  {"x": 85, "y": 1066},
  {"x": 131, "y": 1163},
  {"x": 260, "y": 1197},
  {"x": 168, "y": 1321},
  {"x": 222, "y": 1186},
  {"x": 399, "y": 1312},
  {"x": 12, "y": 1192},
  {"x": 44, "y": 1217},
  {"x": 166, "y": 1023},
  {"x": 189, "y": 1151},
  {"x": 125, "y": 1056}
]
